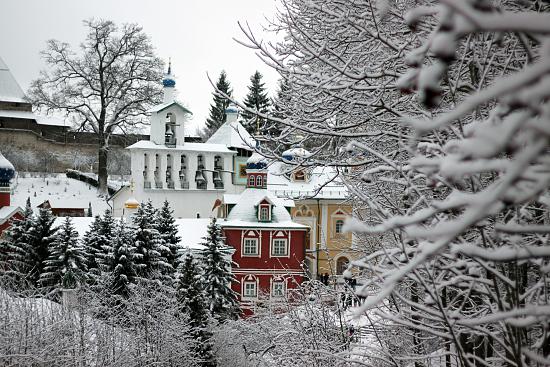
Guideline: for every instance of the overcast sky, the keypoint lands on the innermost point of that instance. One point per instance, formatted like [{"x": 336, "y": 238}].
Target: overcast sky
[{"x": 197, "y": 35}]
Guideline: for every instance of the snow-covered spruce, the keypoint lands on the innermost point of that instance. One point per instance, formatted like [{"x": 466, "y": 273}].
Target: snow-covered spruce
[
  {"x": 220, "y": 298},
  {"x": 65, "y": 267}
]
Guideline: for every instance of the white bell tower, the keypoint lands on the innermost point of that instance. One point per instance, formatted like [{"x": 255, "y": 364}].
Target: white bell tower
[{"x": 167, "y": 119}]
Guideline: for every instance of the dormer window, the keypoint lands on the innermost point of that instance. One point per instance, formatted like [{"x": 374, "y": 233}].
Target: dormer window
[
  {"x": 265, "y": 215},
  {"x": 299, "y": 176},
  {"x": 264, "y": 207}
]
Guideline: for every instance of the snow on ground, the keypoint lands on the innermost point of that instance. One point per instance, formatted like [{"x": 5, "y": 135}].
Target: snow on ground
[{"x": 57, "y": 187}]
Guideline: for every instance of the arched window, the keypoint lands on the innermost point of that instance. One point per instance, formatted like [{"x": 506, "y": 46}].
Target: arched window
[
  {"x": 170, "y": 129},
  {"x": 342, "y": 265},
  {"x": 339, "y": 226},
  {"x": 170, "y": 118},
  {"x": 218, "y": 163},
  {"x": 145, "y": 160},
  {"x": 259, "y": 181},
  {"x": 251, "y": 181}
]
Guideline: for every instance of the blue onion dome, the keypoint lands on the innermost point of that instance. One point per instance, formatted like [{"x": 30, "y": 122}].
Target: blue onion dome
[
  {"x": 7, "y": 171},
  {"x": 256, "y": 161},
  {"x": 231, "y": 109},
  {"x": 169, "y": 80},
  {"x": 295, "y": 154}
]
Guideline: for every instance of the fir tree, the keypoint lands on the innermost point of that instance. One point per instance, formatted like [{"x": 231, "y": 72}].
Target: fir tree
[
  {"x": 192, "y": 304},
  {"x": 258, "y": 101},
  {"x": 121, "y": 262},
  {"x": 168, "y": 230},
  {"x": 221, "y": 300},
  {"x": 97, "y": 243},
  {"x": 148, "y": 244},
  {"x": 41, "y": 235},
  {"x": 217, "y": 110},
  {"x": 15, "y": 260},
  {"x": 65, "y": 266},
  {"x": 281, "y": 106}
]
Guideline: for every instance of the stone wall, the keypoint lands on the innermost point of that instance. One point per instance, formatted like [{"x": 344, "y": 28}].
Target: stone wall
[{"x": 28, "y": 151}]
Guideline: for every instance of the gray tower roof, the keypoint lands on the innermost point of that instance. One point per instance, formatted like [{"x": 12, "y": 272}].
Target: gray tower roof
[{"x": 10, "y": 91}]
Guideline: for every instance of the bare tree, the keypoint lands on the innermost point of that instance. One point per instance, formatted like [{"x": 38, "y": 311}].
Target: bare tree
[{"x": 107, "y": 86}]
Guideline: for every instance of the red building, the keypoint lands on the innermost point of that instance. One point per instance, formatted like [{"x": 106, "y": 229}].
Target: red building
[
  {"x": 7, "y": 212},
  {"x": 269, "y": 246},
  {"x": 64, "y": 208}
]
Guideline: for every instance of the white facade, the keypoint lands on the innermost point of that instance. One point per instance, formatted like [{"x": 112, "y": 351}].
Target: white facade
[{"x": 191, "y": 176}]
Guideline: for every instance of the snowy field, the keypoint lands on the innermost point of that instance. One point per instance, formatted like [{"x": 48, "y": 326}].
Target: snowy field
[{"x": 57, "y": 187}]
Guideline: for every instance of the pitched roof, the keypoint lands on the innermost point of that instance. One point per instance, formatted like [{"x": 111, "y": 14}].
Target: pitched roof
[
  {"x": 64, "y": 204},
  {"x": 323, "y": 183},
  {"x": 40, "y": 120},
  {"x": 164, "y": 106},
  {"x": 244, "y": 213},
  {"x": 7, "y": 212},
  {"x": 10, "y": 91},
  {"x": 233, "y": 135}
]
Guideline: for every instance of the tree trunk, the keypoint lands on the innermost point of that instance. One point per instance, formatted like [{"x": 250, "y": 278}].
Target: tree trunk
[{"x": 102, "y": 168}]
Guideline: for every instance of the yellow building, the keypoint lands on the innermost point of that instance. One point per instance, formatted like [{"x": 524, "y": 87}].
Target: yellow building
[
  {"x": 330, "y": 250},
  {"x": 320, "y": 204}
]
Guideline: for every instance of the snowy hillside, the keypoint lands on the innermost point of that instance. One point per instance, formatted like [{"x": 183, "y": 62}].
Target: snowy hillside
[{"x": 56, "y": 187}]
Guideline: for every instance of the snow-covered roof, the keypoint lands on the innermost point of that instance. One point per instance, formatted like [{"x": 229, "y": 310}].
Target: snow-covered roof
[
  {"x": 41, "y": 120},
  {"x": 65, "y": 204},
  {"x": 233, "y": 135},
  {"x": 244, "y": 213},
  {"x": 297, "y": 152},
  {"x": 190, "y": 230},
  {"x": 164, "y": 106},
  {"x": 194, "y": 147},
  {"x": 5, "y": 164},
  {"x": 323, "y": 178},
  {"x": 231, "y": 198},
  {"x": 10, "y": 91},
  {"x": 6, "y": 212}
]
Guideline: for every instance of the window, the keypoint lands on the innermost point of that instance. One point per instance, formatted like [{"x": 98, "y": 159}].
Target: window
[
  {"x": 250, "y": 247},
  {"x": 299, "y": 176},
  {"x": 218, "y": 163},
  {"x": 339, "y": 226},
  {"x": 259, "y": 181},
  {"x": 251, "y": 182},
  {"x": 279, "y": 247},
  {"x": 342, "y": 265},
  {"x": 249, "y": 289},
  {"x": 264, "y": 213},
  {"x": 278, "y": 289}
]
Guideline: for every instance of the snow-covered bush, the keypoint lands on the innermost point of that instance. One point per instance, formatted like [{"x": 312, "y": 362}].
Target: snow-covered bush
[{"x": 440, "y": 111}]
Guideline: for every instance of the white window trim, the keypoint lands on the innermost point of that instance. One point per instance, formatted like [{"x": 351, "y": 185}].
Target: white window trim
[
  {"x": 336, "y": 220},
  {"x": 268, "y": 207},
  {"x": 244, "y": 283},
  {"x": 251, "y": 181},
  {"x": 258, "y": 254},
  {"x": 278, "y": 281},
  {"x": 272, "y": 247}
]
